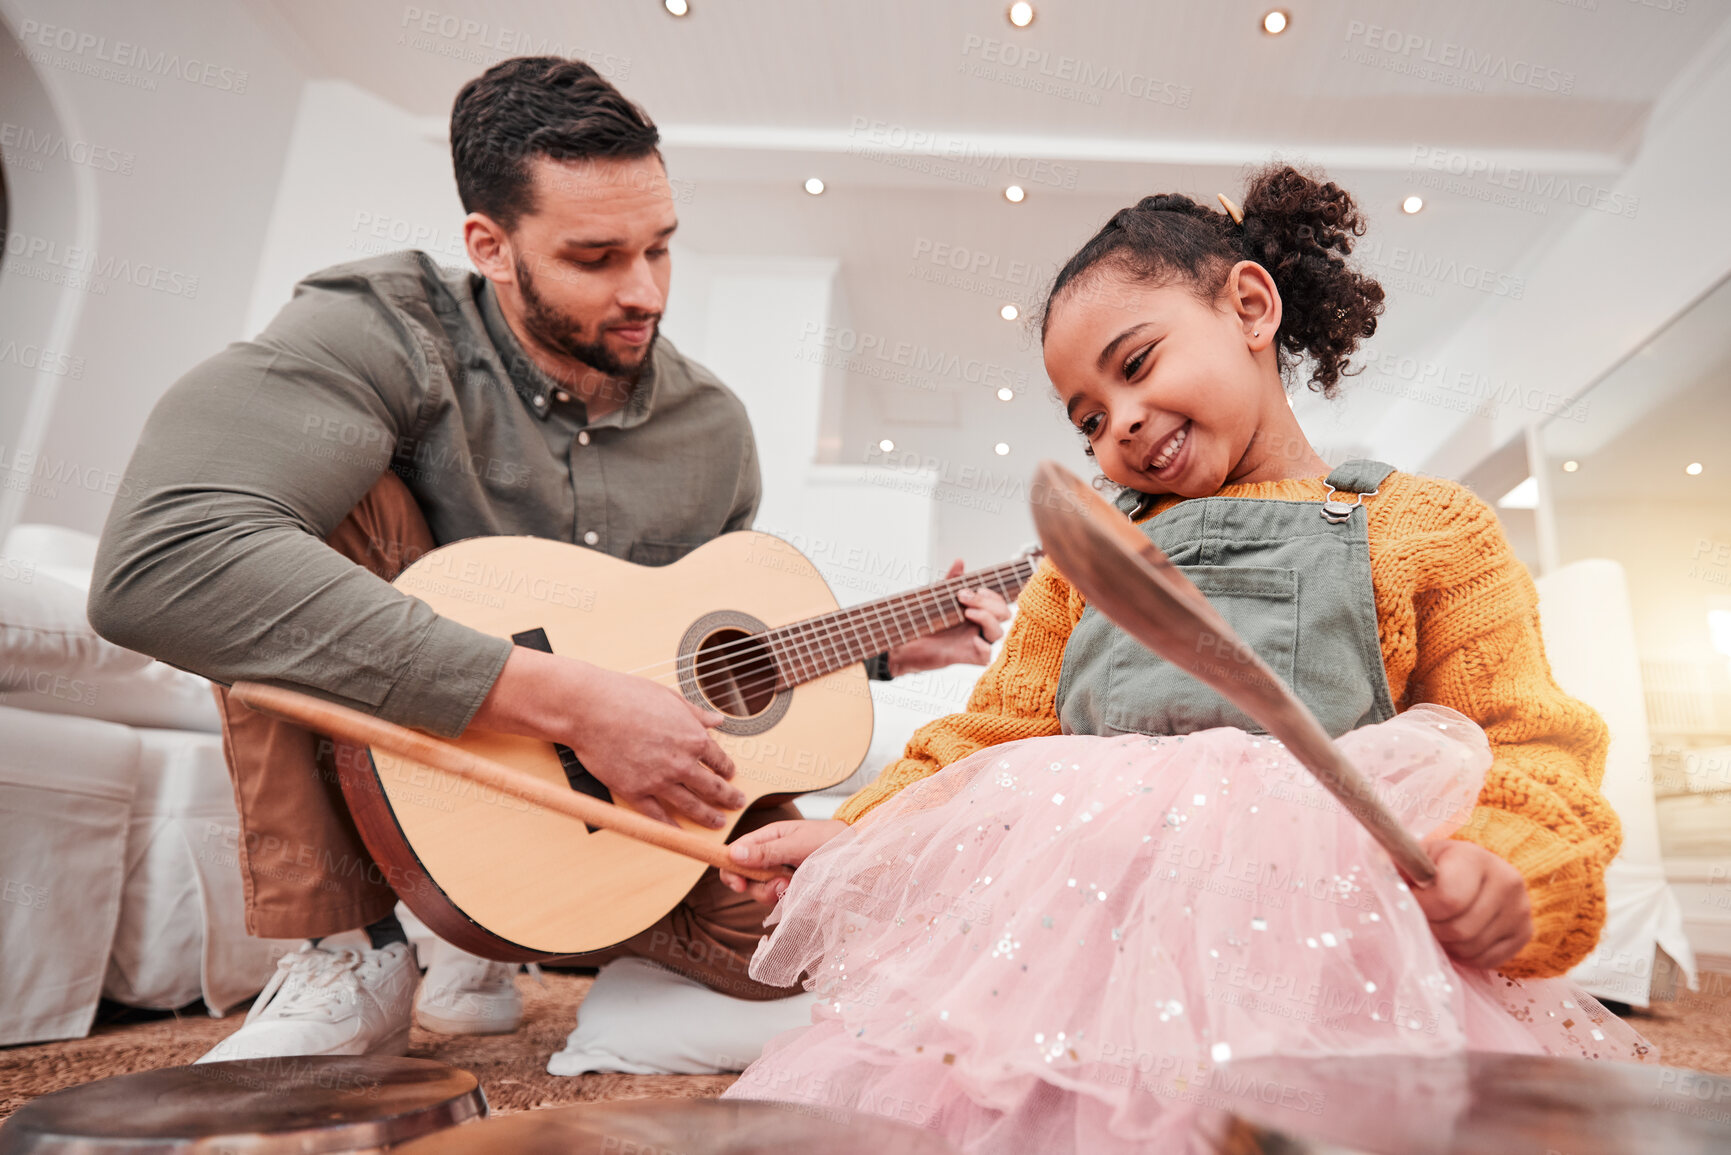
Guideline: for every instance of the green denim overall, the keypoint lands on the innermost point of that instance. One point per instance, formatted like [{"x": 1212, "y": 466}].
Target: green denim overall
[{"x": 1292, "y": 578}]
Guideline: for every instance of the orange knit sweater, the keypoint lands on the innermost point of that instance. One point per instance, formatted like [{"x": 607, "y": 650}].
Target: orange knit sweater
[{"x": 1457, "y": 619}]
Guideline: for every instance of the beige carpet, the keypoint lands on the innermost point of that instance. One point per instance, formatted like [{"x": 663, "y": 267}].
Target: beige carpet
[
  {"x": 1694, "y": 1031},
  {"x": 512, "y": 1068}
]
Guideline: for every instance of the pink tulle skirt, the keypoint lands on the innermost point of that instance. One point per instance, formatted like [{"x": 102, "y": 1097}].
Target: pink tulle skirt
[{"x": 1062, "y": 943}]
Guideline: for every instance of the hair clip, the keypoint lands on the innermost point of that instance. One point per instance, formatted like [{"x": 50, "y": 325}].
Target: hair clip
[{"x": 1232, "y": 210}]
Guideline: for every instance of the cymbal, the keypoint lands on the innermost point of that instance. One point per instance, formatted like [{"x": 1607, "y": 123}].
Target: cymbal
[
  {"x": 1473, "y": 1103},
  {"x": 260, "y": 1106},
  {"x": 688, "y": 1126}
]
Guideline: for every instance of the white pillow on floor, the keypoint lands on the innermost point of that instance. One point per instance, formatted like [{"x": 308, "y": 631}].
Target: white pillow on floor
[
  {"x": 53, "y": 662},
  {"x": 643, "y": 1019}
]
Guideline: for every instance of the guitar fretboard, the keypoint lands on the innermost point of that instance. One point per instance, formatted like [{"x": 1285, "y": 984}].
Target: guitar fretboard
[{"x": 817, "y": 646}]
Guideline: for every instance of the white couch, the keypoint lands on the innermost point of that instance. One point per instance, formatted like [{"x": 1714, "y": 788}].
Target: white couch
[
  {"x": 1589, "y": 633},
  {"x": 117, "y": 821},
  {"x": 1695, "y": 830}
]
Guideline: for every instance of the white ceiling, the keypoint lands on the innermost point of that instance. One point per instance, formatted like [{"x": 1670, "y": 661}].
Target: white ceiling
[{"x": 753, "y": 96}]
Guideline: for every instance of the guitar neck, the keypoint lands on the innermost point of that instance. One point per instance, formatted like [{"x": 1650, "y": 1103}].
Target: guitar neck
[{"x": 817, "y": 646}]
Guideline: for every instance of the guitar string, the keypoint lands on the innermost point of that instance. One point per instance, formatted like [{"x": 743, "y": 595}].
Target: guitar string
[
  {"x": 819, "y": 642},
  {"x": 825, "y": 627},
  {"x": 815, "y": 649},
  {"x": 836, "y": 624},
  {"x": 811, "y": 655}
]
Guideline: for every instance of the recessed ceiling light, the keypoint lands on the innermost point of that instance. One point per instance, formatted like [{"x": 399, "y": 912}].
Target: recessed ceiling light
[
  {"x": 1693, "y": 468},
  {"x": 1275, "y": 22},
  {"x": 1571, "y": 466},
  {"x": 1001, "y": 448},
  {"x": 1009, "y": 312},
  {"x": 813, "y": 186},
  {"x": 1021, "y": 13},
  {"x": 1411, "y": 205},
  {"x": 1006, "y": 394},
  {"x": 886, "y": 445},
  {"x": 677, "y": 7},
  {"x": 1015, "y": 195}
]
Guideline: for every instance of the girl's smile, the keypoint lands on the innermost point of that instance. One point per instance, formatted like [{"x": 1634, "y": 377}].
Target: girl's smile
[{"x": 1174, "y": 393}]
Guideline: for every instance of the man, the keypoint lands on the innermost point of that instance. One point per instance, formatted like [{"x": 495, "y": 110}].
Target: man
[{"x": 393, "y": 406}]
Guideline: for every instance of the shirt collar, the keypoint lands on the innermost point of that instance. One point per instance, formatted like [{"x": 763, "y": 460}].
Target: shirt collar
[{"x": 537, "y": 388}]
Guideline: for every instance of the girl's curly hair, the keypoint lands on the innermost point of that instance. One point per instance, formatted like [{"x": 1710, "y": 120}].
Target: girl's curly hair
[{"x": 1298, "y": 227}]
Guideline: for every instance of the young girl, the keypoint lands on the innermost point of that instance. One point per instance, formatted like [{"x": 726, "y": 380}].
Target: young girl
[{"x": 1064, "y": 913}]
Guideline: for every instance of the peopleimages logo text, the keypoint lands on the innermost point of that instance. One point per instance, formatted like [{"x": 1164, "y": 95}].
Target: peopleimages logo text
[
  {"x": 125, "y": 54},
  {"x": 1460, "y": 57}
]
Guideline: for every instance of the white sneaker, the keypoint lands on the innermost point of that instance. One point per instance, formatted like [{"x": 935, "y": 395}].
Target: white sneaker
[
  {"x": 464, "y": 994},
  {"x": 328, "y": 1002}
]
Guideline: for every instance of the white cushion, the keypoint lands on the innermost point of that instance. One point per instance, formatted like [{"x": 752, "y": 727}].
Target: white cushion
[
  {"x": 53, "y": 662},
  {"x": 66, "y": 788},
  {"x": 182, "y": 929},
  {"x": 43, "y": 630},
  {"x": 643, "y": 1019},
  {"x": 67, "y": 554},
  {"x": 1696, "y": 825}
]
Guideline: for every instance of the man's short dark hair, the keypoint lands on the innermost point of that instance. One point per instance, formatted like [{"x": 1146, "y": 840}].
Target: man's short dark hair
[{"x": 534, "y": 106}]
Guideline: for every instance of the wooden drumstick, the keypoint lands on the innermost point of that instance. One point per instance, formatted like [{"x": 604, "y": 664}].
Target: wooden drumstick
[
  {"x": 1126, "y": 577},
  {"x": 342, "y": 722}
]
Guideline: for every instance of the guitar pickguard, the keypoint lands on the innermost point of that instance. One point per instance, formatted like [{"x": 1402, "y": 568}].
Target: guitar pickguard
[{"x": 575, "y": 772}]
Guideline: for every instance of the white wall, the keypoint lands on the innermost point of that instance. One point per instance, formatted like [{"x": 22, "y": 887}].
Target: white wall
[
  {"x": 177, "y": 114},
  {"x": 51, "y": 211},
  {"x": 360, "y": 178},
  {"x": 1608, "y": 283},
  {"x": 757, "y": 312}
]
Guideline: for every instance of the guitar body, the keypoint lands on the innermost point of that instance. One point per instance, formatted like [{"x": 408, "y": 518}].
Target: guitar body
[{"x": 505, "y": 879}]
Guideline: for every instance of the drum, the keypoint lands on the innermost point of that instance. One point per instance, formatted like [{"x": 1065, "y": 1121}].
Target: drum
[
  {"x": 252, "y": 1106},
  {"x": 1476, "y": 1103},
  {"x": 686, "y": 1126}
]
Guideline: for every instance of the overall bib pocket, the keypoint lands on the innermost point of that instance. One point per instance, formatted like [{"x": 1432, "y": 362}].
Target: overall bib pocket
[{"x": 1147, "y": 694}]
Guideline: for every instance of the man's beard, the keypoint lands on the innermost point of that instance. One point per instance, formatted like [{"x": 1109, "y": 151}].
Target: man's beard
[{"x": 558, "y": 332}]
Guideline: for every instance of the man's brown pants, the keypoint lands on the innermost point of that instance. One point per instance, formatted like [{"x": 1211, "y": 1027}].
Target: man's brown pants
[{"x": 305, "y": 870}]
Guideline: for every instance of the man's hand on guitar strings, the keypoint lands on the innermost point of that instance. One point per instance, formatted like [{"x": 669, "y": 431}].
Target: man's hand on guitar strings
[
  {"x": 986, "y": 611},
  {"x": 778, "y": 844},
  {"x": 648, "y": 745}
]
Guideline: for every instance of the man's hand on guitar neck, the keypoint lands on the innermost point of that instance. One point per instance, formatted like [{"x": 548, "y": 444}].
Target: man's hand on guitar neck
[
  {"x": 986, "y": 613},
  {"x": 651, "y": 747}
]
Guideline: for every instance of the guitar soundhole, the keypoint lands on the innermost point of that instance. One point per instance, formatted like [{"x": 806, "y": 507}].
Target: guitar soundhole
[{"x": 735, "y": 673}]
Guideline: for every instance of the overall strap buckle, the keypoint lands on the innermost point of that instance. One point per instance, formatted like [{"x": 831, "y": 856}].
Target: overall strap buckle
[{"x": 1362, "y": 478}]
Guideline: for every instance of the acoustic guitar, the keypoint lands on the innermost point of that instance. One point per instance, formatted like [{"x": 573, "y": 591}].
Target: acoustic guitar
[{"x": 744, "y": 625}]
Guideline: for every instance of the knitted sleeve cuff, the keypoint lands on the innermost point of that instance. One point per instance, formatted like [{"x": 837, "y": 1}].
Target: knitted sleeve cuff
[
  {"x": 1565, "y": 885},
  {"x": 888, "y": 783}
]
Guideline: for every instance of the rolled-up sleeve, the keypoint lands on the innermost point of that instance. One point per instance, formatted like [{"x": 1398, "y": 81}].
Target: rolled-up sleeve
[{"x": 213, "y": 558}]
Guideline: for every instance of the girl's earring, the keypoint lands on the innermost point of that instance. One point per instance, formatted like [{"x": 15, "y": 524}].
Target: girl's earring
[{"x": 1256, "y": 333}]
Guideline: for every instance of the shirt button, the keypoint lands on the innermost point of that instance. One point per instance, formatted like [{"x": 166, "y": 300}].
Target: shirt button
[
  {"x": 591, "y": 538},
  {"x": 583, "y": 437},
  {"x": 540, "y": 399},
  {"x": 562, "y": 395}
]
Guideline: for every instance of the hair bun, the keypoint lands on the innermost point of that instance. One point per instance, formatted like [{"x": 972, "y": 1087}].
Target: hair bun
[
  {"x": 1302, "y": 229},
  {"x": 1298, "y": 227}
]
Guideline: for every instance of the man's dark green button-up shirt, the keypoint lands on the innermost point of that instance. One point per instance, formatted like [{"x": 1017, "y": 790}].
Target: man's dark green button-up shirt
[{"x": 213, "y": 558}]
